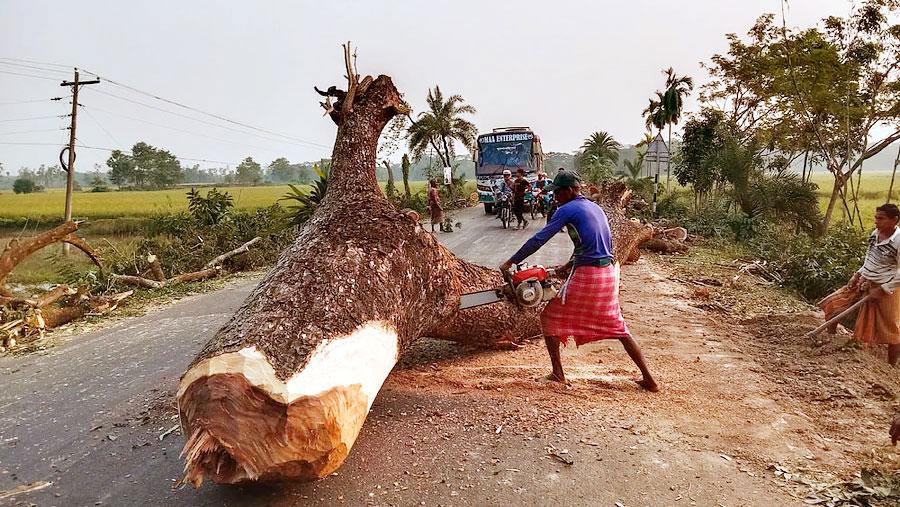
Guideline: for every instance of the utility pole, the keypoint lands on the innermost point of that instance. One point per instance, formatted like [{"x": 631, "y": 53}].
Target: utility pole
[{"x": 70, "y": 168}]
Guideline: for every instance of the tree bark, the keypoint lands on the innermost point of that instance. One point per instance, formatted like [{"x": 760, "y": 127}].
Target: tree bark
[
  {"x": 155, "y": 268},
  {"x": 280, "y": 392}
]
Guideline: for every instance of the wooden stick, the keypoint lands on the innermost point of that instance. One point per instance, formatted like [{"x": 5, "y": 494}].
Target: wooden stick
[
  {"x": 837, "y": 318},
  {"x": 227, "y": 255}
]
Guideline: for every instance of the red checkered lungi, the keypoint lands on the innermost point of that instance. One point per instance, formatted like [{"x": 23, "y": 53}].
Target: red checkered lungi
[{"x": 587, "y": 308}]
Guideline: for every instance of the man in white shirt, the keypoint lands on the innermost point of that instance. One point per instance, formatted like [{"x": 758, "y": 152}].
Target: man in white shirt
[{"x": 878, "y": 320}]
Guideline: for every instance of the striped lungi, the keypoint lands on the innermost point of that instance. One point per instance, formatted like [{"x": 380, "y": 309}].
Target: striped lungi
[
  {"x": 877, "y": 321},
  {"x": 587, "y": 307}
]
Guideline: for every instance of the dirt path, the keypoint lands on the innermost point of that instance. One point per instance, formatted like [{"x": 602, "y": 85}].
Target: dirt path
[{"x": 451, "y": 426}]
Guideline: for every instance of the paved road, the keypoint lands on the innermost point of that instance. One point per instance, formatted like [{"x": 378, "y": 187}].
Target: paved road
[{"x": 87, "y": 417}]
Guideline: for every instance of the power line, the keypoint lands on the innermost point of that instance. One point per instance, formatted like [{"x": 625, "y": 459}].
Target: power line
[
  {"x": 214, "y": 115},
  {"x": 188, "y": 159},
  {"x": 198, "y": 120},
  {"x": 29, "y": 131},
  {"x": 29, "y": 75},
  {"x": 108, "y": 134},
  {"x": 141, "y": 120},
  {"x": 36, "y": 62},
  {"x": 34, "y": 101},
  {"x": 20, "y": 66},
  {"x": 35, "y": 118}
]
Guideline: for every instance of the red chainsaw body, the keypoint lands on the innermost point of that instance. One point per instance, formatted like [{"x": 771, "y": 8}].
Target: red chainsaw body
[{"x": 538, "y": 273}]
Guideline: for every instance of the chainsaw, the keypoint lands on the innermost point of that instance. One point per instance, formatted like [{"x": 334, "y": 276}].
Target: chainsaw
[{"x": 526, "y": 286}]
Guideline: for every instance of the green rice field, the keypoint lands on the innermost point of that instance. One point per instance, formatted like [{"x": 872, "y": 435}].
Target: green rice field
[
  {"x": 872, "y": 193},
  {"x": 49, "y": 205}
]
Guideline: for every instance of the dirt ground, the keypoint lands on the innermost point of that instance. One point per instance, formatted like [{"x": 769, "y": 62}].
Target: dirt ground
[
  {"x": 806, "y": 413},
  {"x": 749, "y": 412}
]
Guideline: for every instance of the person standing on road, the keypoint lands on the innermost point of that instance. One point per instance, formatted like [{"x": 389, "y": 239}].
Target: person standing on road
[
  {"x": 434, "y": 205},
  {"x": 520, "y": 186},
  {"x": 587, "y": 306},
  {"x": 878, "y": 319}
]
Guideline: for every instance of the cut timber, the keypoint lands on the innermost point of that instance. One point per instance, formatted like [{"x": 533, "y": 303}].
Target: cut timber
[
  {"x": 281, "y": 391},
  {"x": 155, "y": 268}
]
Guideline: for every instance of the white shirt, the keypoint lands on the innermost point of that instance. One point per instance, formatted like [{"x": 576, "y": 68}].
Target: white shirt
[{"x": 882, "y": 264}]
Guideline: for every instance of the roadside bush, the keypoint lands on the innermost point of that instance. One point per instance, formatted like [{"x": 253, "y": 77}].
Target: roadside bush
[
  {"x": 812, "y": 267},
  {"x": 183, "y": 243}
]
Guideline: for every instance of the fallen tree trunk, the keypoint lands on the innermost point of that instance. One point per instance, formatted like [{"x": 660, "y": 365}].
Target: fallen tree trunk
[{"x": 281, "y": 391}]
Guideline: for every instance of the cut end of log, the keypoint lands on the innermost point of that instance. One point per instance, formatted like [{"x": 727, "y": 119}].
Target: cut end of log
[{"x": 246, "y": 424}]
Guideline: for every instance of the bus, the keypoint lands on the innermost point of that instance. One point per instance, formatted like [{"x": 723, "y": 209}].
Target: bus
[{"x": 505, "y": 148}]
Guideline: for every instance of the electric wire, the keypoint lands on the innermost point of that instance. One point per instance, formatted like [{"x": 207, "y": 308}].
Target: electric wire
[
  {"x": 34, "y": 118},
  {"x": 198, "y": 120},
  {"x": 160, "y": 125},
  {"x": 28, "y": 75},
  {"x": 214, "y": 115}
]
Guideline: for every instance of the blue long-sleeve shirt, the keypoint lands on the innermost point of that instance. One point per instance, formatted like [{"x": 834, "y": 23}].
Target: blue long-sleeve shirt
[{"x": 587, "y": 226}]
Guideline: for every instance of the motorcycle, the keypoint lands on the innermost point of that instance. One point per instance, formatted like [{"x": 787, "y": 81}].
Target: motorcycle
[
  {"x": 542, "y": 204},
  {"x": 503, "y": 205}
]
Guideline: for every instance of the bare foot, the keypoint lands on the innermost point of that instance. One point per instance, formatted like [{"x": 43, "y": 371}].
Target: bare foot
[
  {"x": 553, "y": 377},
  {"x": 648, "y": 384}
]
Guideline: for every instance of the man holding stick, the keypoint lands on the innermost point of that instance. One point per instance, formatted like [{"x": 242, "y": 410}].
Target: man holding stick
[{"x": 875, "y": 284}]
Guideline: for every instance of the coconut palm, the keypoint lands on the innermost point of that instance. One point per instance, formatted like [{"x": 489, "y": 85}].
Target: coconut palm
[
  {"x": 677, "y": 88},
  {"x": 599, "y": 151},
  {"x": 441, "y": 126}
]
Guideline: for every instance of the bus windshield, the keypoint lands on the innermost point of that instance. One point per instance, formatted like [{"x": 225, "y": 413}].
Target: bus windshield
[{"x": 497, "y": 152}]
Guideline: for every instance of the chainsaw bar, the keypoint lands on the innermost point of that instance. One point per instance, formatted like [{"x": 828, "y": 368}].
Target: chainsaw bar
[{"x": 485, "y": 297}]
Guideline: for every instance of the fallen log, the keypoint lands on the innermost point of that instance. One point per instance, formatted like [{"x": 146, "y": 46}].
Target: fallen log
[
  {"x": 281, "y": 391},
  {"x": 148, "y": 283}
]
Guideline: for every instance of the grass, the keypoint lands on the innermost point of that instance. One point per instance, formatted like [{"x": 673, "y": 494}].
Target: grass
[
  {"x": 49, "y": 205},
  {"x": 872, "y": 193}
]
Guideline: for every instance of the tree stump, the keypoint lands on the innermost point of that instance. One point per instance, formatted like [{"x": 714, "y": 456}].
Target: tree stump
[{"x": 282, "y": 390}]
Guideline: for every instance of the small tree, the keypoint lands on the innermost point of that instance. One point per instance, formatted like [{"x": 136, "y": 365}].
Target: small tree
[
  {"x": 404, "y": 166},
  {"x": 249, "y": 172},
  {"x": 24, "y": 186}
]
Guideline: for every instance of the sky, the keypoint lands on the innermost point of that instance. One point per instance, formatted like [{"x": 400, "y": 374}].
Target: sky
[{"x": 564, "y": 68}]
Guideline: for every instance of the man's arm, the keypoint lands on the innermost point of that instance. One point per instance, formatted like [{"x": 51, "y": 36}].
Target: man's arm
[{"x": 559, "y": 220}]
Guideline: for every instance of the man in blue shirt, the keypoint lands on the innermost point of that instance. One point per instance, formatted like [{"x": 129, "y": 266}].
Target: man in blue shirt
[{"x": 587, "y": 307}]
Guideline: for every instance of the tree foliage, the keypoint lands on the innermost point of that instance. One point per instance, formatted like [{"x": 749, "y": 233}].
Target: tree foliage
[
  {"x": 249, "y": 172},
  {"x": 441, "y": 126},
  {"x": 145, "y": 167},
  {"x": 598, "y": 156}
]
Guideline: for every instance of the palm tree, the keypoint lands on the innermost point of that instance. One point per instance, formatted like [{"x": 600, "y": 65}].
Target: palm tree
[
  {"x": 441, "y": 126},
  {"x": 655, "y": 114},
  {"x": 677, "y": 88},
  {"x": 598, "y": 152},
  {"x": 302, "y": 205}
]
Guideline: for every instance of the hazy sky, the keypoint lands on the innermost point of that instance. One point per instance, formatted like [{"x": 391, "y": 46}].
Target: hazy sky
[{"x": 565, "y": 68}]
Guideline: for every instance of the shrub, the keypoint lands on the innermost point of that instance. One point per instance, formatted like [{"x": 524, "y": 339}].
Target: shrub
[
  {"x": 211, "y": 209},
  {"x": 812, "y": 267},
  {"x": 24, "y": 186}
]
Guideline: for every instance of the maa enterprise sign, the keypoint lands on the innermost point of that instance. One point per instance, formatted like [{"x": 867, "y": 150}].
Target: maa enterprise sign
[{"x": 505, "y": 138}]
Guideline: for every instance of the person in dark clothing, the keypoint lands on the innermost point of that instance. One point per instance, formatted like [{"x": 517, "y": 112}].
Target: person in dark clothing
[{"x": 520, "y": 186}]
